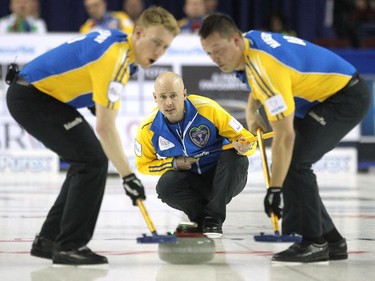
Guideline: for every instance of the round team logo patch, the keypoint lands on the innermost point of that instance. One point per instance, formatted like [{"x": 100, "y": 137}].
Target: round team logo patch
[{"x": 199, "y": 135}]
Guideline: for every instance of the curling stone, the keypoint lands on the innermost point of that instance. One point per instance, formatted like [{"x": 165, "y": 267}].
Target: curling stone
[{"x": 188, "y": 250}]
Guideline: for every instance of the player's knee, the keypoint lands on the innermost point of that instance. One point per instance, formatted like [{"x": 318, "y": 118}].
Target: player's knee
[
  {"x": 162, "y": 191},
  {"x": 164, "y": 186},
  {"x": 97, "y": 161}
]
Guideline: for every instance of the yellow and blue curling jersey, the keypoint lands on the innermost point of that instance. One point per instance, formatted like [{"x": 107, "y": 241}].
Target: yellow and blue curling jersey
[
  {"x": 290, "y": 75},
  {"x": 206, "y": 127},
  {"x": 111, "y": 20},
  {"x": 90, "y": 69}
]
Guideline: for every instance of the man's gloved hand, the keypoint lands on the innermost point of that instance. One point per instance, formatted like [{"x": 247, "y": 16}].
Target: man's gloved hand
[
  {"x": 273, "y": 202},
  {"x": 134, "y": 188},
  {"x": 242, "y": 146}
]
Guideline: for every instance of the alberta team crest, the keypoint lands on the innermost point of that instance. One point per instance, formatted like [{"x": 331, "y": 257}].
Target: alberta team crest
[{"x": 200, "y": 135}]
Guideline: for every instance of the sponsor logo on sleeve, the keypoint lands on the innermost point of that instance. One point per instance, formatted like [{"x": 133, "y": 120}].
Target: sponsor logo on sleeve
[
  {"x": 275, "y": 105},
  {"x": 137, "y": 148},
  {"x": 237, "y": 126},
  {"x": 114, "y": 91}
]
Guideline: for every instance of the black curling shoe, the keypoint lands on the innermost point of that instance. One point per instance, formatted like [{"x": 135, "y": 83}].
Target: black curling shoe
[
  {"x": 303, "y": 253},
  {"x": 338, "y": 250},
  {"x": 212, "y": 228},
  {"x": 81, "y": 256},
  {"x": 42, "y": 248}
]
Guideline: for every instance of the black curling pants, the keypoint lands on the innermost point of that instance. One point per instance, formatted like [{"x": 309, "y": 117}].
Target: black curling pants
[
  {"x": 206, "y": 194},
  {"x": 61, "y": 128},
  {"x": 316, "y": 134}
]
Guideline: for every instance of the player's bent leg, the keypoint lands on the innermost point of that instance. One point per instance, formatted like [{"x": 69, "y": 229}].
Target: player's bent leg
[{"x": 179, "y": 190}]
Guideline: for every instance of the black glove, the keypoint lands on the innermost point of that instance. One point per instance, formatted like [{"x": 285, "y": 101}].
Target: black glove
[
  {"x": 134, "y": 188},
  {"x": 273, "y": 202}
]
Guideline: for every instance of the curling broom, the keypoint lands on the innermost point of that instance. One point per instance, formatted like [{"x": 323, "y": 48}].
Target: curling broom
[
  {"x": 276, "y": 237},
  {"x": 155, "y": 238}
]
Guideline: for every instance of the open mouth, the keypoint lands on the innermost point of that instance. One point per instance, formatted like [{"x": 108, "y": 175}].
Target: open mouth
[{"x": 151, "y": 61}]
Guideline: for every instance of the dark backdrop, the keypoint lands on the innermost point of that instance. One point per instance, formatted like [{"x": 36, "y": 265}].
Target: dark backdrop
[{"x": 304, "y": 16}]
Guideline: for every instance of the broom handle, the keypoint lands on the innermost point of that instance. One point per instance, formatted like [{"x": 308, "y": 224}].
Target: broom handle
[
  {"x": 266, "y": 173},
  {"x": 230, "y": 145},
  {"x": 251, "y": 139},
  {"x": 146, "y": 217}
]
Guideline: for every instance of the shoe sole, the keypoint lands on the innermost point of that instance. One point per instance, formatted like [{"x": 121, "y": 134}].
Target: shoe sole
[
  {"x": 294, "y": 263},
  {"x": 213, "y": 235},
  {"x": 99, "y": 266},
  {"x": 336, "y": 257},
  {"x": 324, "y": 260}
]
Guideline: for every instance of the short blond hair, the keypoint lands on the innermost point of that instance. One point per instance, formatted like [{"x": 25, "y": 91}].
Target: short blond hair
[{"x": 156, "y": 15}]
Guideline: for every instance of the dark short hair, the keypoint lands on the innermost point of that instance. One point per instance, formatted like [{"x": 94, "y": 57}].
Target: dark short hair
[{"x": 220, "y": 23}]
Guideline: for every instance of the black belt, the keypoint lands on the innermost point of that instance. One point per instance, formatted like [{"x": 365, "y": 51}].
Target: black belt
[{"x": 21, "y": 81}]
